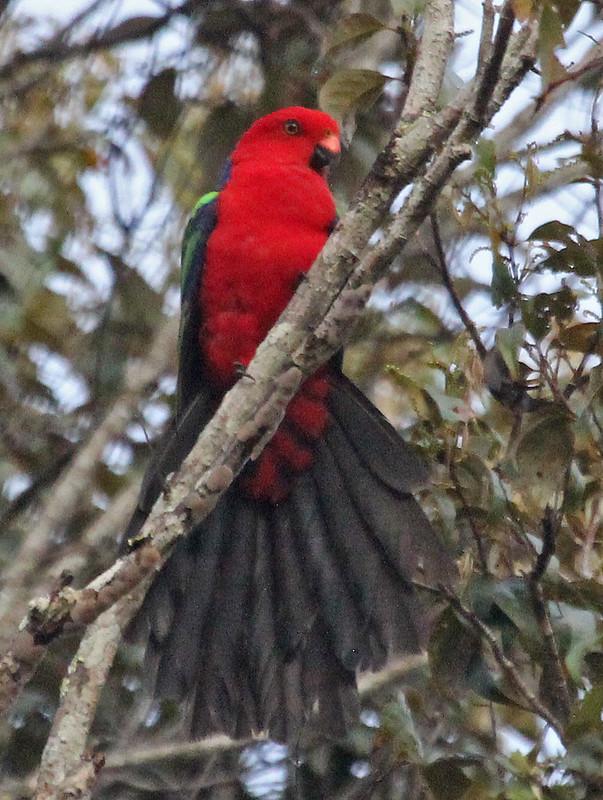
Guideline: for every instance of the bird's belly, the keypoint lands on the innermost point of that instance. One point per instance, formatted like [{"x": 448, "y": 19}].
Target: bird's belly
[
  {"x": 248, "y": 279},
  {"x": 247, "y": 282}
]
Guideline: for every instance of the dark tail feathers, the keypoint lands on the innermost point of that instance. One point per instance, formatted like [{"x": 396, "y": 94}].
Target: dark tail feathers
[{"x": 261, "y": 617}]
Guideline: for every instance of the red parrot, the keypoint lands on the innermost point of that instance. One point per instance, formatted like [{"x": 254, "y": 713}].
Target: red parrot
[{"x": 301, "y": 576}]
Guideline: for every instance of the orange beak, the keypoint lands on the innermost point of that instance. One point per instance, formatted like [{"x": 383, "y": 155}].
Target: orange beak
[
  {"x": 331, "y": 143},
  {"x": 326, "y": 151}
]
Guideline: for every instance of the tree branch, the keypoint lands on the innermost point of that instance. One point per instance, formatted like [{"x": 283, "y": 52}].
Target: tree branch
[
  {"x": 553, "y": 684},
  {"x": 434, "y": 52},
  {"x": 57, "y": 49},
  {"x": 507, "y": 667},
  {"x": 67, "y": 768},
  {"x": 442, "y": 265}
]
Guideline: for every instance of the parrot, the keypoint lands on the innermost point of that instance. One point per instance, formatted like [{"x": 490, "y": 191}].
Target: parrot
[{"x": 302, "y": 575}]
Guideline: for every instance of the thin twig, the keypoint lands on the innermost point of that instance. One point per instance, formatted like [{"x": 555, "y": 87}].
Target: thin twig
[
  {"x": 442, "y": 264},
  {"x": 571, "y": 76},
  {"x": 477, "y": 537},
  {"x": 552, "y": 666},
  {"x": 506, "y": 665}
]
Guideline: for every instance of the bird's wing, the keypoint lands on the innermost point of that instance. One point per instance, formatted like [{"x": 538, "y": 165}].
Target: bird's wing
[
  {"x": 194, "y": 402},
  {"x": 190, "y": 369}
]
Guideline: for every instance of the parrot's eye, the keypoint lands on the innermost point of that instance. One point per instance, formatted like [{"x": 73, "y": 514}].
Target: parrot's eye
[{"x": 292, "y": 127}]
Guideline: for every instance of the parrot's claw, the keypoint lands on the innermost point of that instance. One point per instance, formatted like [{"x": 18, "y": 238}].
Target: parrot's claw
[{"x": 241, "y": 371}]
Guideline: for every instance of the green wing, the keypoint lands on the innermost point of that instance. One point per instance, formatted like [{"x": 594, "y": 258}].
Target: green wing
[
  {"x": 194, "y": 403},
  {"x": 190, "y": 369}
]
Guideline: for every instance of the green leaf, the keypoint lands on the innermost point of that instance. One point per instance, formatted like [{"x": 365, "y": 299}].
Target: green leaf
[
  {"x": 539, "y": 311},
  {"x": 475, "y": 478},
  {"x": 486, "y": 158},
  {"x": 509, "y": 342},
  {"x": 553, "y": 231},
  {"x": 397, "y": 721},
  {"x": 580, "y": 638},
  {"x": 415, "y": 318},
  {"x": 421, "y": 401},
  {"x": 453, "y": 650},
  {"x": 481, "y": 681},
  {"x": 446, "y": 779},
  {"x": 586, "y": 715},
  {"x": 579, "y": 257},
  {"x": 129, "y": 28},
  {"x": 544, "y": 449},
  {"x": 503, "y": 285},
  {"x": 350, "y": 90},
  {"x": 511, "y": 597},
  {"x": 158, "y": 104},
  {"x": 582, "y": 338},
  {"x": 353, "y": 30},
  {"x": 549, "y": 39}
]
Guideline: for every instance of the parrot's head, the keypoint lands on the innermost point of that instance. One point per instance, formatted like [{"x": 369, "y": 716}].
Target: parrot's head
[{"x": 293, "y": 136}]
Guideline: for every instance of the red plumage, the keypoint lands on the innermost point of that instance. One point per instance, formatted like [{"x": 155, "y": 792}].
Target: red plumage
[{"x": 275, "y": 214}]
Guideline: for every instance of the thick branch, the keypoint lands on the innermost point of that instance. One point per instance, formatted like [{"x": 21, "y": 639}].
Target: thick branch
[
  {"x": 434, "y": 52},
  {"x": 67, "y": 768}
]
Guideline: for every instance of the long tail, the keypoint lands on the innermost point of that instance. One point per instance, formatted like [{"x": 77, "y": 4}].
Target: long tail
[{"x": 262, "y": 616}]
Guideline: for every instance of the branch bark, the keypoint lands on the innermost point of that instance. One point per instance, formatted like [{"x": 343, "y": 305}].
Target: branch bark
[
  {"x": 434, "y": 51},
  {"x": 67, "y": 768}
]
